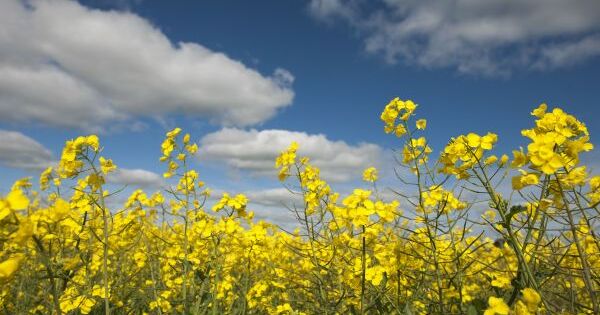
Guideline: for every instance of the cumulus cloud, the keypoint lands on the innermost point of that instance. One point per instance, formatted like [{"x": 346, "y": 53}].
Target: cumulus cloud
[
  {"x": 255, "y": 151},
  {"x": 135, "y": 177},
  {"x": 484, "y": 37},
  {"x": 20, "y": 151},
  {"x": 68, "y": 65}
]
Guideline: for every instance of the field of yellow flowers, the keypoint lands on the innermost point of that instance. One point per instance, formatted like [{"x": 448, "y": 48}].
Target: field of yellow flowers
[{"x": 533, "y": 251}]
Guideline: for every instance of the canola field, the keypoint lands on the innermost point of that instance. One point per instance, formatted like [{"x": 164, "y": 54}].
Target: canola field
[{"x": 450, "y": 242}]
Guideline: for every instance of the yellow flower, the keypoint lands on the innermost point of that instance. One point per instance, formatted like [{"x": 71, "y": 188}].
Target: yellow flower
[
  {"x": 575, "y": 177},
  {"x": 9, "y": 266},
  {"x": 173, "y": 133},
  {"x": 394, "y": 110},
  {"x": 370, "y": 174},
  {"x": 464, "y": 152},
  {"x": 285, "y": 308},
  {"x": 594, "y": 193},
  {"x": 22, "y": 183},
  {"x": 17, "y": 200},
  {"x": 45, "y": 178},
  {"x": 520, "y": 158},
  {"x": 525, "y": 179},
  {"x": 237, "y": 203},
  {"x": 531, "y": 299},
  {"x": 421, "y": 124},
  {"x": 107, "y": 165},
  {"x": 490, "y": 160},
  {"x": 191, "y": 148},
  {"x": 400, "y": 130},
  {"x": 501, "y": 281},
  {"x": 496, "y": 306},
  {"x": 98, "y": 291},
  {"x": 521, "y": 309},
  {"x": 416, "y": 149},
  {"x": 474, "y": 140},
  {"x": 556, "y": 140},
  {"x": 540, "y": 111},
  {"x": 93, "y": 142},
  {"x": 285, "y": 160},
  {"x": 70, "y": 163},
  {"x": 542, "y": 155},
  {"x": 439, "y": 199},
  {"x": 374, "y": 275},
  {"x": 503, "y": 160}
]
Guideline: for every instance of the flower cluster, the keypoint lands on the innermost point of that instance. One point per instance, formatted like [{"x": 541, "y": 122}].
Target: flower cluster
[
  {"x": 170, "y": 146},
  {"x": 285, "y": 161},
  {"x": 438, "y": 200},
  {"x": 237, "y": 203},
  {"x": 370, "y": 175},
  {"x": 395, "y": 110},
  {"x": 527, "y": 305},
  {"x": 416, "y": 150},
  {"x": 556, "y": 141},
  {"x": 464, "y": 152},
  {"x": 594, "y": 194},
  {"x": 70, "y": 162}
]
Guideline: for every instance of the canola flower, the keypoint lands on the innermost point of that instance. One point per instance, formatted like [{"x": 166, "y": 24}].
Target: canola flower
[
  {"x": 9, "y": 266},
  {"x": 370, "y": 175},
  {"x": 423, "y": 250}
]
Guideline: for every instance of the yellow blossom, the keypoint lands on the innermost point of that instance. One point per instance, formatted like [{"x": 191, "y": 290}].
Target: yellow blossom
[
  {"x": 370, "y": 174},
  {"x": 496, "y": 306},
  {"x": 9, "y": 266},
  {"x": 107, "y": 165}
]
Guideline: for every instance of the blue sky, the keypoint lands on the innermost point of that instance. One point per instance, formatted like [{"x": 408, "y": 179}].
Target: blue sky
[{"x": 285, "y": 70}]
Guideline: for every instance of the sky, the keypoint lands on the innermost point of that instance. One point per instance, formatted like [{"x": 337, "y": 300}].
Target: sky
[{"x": 246, "y": 78}]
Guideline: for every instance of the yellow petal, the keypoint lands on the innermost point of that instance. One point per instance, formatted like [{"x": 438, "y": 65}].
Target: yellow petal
[
  {"x": 17, "y": 200},
  {"x": 9, "y": 266}
]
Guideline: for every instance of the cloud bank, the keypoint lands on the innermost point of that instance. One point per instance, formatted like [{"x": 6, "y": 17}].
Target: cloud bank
[
  {"x": 63, "y": 64},
  {"x": 20, "y": 151},
  {"x": 255, "y": 151},
  {"x": 479, "y": 37}
]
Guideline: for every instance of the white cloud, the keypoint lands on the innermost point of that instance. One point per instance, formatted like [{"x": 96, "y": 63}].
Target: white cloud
[
  {"x": 486, "y": 37},
  {"x": 562, "y": 54},
  {"x": 275, "y": 205},
  {"x": 67, "y": 65},
  {"x": 325, "y": 9},
  {"x": 20, "y": 151},
  {"x": 275, "y": 197},
  {"x": 51, "y": 96},
  {"x": 255, "y": 151},
  {"x": 135, "y": 177}
]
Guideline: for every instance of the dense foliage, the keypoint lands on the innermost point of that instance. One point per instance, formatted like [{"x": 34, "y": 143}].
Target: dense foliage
[{"x": 451, "y": 243}]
